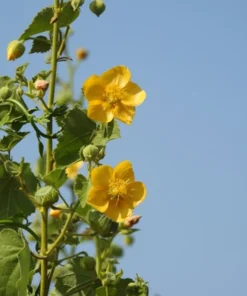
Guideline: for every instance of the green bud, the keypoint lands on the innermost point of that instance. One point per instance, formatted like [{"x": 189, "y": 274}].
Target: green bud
[
  {"x": 101, "y": 153},
  {"x": 15, "y": 50},
  {"x": 76, "y": 4},
  {"x": 5, "y": 93},
  {"x": 101, "y": 224},
  {"x": 129, "y": 240},
  {"x": 46, "y": 196},
  {"x": 97, "y": 7},
  {"x": 89, "y": 153},
  {"x": 88, "y": 263},
  {"x": 19, "y": 91},
  {"x": 116, "y": 251}
]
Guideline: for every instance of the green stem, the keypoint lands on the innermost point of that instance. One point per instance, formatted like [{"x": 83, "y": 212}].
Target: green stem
[
  {"x": 98, "y": 256},
  {"x": 49, "y": 157},
  {"x": 44, "y": 228}
]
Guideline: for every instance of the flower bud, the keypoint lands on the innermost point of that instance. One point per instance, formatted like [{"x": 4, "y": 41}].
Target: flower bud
[
  {"x": 130, "y": 221},
  {"x": 90, "y": 152},
  {"x": 116, "y": 251},
  {"x": 81, "y": 54},
  {"x": 101, "y": 224},
  {"x": 129, "y": 240},
  {"x": 5, "y": 92},
  {"x": 97, "y": 7},
  {"x": 46, "y": 196},
  {"x": 15, "y": 50},
  {"x": 41, "y": 84},
  {"x": 88, "y": 263}
]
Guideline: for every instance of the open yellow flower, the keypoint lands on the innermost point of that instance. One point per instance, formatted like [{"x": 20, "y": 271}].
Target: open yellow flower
[
  {"x": 113, "y": 95},
  {"x": 73, "y": 169},
  {"x": 115, "y": 191}
]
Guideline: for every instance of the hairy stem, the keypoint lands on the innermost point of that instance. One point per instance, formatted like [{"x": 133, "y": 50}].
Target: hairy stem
[
  {"x": 44, "y": 278},
  {"x": 44, "y": 283},
  {"x": 98, "y": 256}
]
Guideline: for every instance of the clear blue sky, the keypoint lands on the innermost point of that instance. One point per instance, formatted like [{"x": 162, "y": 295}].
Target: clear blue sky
[{"x": 188, "y": 140}]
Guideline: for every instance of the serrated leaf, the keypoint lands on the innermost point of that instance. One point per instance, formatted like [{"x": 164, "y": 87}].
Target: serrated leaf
[
  {"x": 106, "y": 133},
  {"x": 41, "y": 22},
  {"x": 14, "y": 263},
  {"x": 40, "y": 44},
  {"x": 81, "y": 188},
  {"x": 56, "y": 178},
  {"x": 72, "y": 278},
  {"x": 84, "y": 211},
  {"x": 78, "y": 131},
  {"x": 8, "y": 142},
  {"x": 12, "y": 200}
]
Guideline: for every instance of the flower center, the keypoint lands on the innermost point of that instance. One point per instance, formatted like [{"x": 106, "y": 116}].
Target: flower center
[
  {"x": 118, "y": 189},
  {"x": 112, "y": 94}
]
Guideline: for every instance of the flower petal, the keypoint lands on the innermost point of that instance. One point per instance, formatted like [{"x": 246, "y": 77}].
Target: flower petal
[
  {"x": 99, "y": 111},
  {"x": 93, "y": 88},
  {"x": 99, "y": 199},
  {"x": 136, "y": 192},
  {"x": 124, "y": 171},
  {"x": 118, "y": 211},
  {"x": 124, "y": 113},
  {"x": 132, "y": 95},
  {"x": 101, "y": 176},
  {"x": 119, "y": 75}
]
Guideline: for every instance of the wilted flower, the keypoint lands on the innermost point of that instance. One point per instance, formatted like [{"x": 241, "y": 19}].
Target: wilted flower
[
  {"x": 41, "y": 84},
  {"x": 113, "y": 95},
  {"x": 131, "y": 221},
  {"x": 81, "y": 54},
  {"x": 115, "y": 191}
]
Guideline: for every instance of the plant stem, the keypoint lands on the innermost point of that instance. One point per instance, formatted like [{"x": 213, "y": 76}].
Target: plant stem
[
  {"x": 49, "y": 157},
  {"x": 43, "y": 281},
  {"x": 44, "y": 284},
  {"x": 98, "y": 256}
]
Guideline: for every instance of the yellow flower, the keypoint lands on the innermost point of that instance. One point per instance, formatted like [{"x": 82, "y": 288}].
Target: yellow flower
[
  {"x": 73, "y": 169},
  {"x": 115, "y": 191},
  {"x": 113, "y": 95}
]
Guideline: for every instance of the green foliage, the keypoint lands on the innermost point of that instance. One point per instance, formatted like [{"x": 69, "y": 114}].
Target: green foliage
[
  {"x": 73, "y": 278},
  {"x": 56, "y": 178},
  {"x": 40, "y": 44},
  {"x": 78, "y": 131},
  {"x": 81, "y": 188},
  {"x": 13, "y": 138},
  {"x": 14, "y": 201},
  {"x": 42, "y": 21},
  {"x": 15, "y": 263}
]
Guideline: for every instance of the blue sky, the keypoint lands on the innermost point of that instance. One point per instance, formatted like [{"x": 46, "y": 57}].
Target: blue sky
[{"x": 188, "y": 140}]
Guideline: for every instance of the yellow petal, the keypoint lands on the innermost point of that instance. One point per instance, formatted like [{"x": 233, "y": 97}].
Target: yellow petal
[
  {"x": 118, "y": 211},
  {"x": 124, "y": 113},
  {"x": 99, "y": 111},
  {"x": 101, "y": 176},
  {"x": 124, "y": 171},
  {"x": 136, "y": 192},
  {"x": 73, "y": 169},
  {"x": 93, "y": 88},
  {"x": 119, "y": 75},
  {"x": 98, "y": 199},
  {"x": 133, "y": 95}
]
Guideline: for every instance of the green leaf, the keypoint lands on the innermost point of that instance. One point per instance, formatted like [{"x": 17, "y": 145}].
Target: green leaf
[
  {"x": 42, "y": 21},
  {"x": 14, "y": 263},
  {"x": 107, "y": 291},
  {"x": 81, "y": 188},
  {"x": 72, "y": 278},
  {"x": 83, "y": 212},
  {"x": 106, "y": 133},
  {"x": 40, "y": 44},
  {"x": 12, "y": 200},
  {"x": 21, "y": 69},
  {"x": 78, "y": 131},
  {"x": 122, "y": 286},
  {"x": 56, "y": 178},
  {"x": 8, "y": 142}
]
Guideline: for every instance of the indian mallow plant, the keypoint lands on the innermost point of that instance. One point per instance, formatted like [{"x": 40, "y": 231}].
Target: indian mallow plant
[{"x": 39, "y": 253}]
